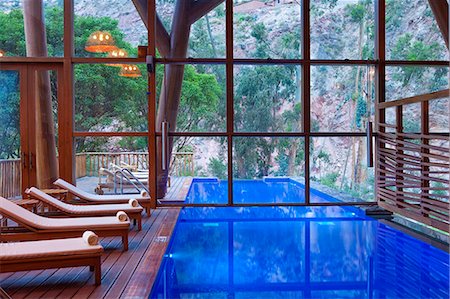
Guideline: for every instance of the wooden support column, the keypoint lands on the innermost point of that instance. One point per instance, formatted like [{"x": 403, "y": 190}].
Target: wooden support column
[
  {"x": 440, "y": 11},
  {"x": 380, "y": 87},
  {"x": 306, "y": 93},
  {"x": 230, "y": 94},
  {"x": 186, "y": 13},
  {"x": 36, "y": 46}
]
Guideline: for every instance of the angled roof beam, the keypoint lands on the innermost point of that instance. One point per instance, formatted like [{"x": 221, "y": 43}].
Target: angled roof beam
[
  {"x": 162, "y": 37},
  {"x": 200, "y": 8},
  {"x": 440, "y": 11}
]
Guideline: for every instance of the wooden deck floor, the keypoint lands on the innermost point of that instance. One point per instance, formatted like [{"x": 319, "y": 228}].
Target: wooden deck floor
[
  {"x": 124, "y": 274},
  {"x": 179, "y": 188}
]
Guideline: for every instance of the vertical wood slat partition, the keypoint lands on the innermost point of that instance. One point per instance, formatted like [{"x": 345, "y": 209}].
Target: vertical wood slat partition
[
  {"x": 11, "y": 177},
  {"x": 413, "y": 168}
]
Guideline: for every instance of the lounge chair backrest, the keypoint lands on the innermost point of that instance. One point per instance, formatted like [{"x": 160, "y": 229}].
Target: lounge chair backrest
[
  {"x": 94, "y": 197},
  {"x": 21, "y": 215},
  {"x": 73, "y": 189},
  {"x": 49, "y": 200}
]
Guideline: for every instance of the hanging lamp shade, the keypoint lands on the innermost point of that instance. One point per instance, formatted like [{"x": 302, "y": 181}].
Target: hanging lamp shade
[
  {"x": 100, "y": 42},
  {"x": 130, "y": 71},
  {"x": 117, "y": 53},
  {"x": 2, "y": 53}
]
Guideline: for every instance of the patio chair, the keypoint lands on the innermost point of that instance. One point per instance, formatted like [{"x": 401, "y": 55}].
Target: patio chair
[
  {"x": 88, "y": 198},
  {"x": 35, "y": 227},
  {"x": 132, "y": 208},
  {"x": 48, "y": 254}
]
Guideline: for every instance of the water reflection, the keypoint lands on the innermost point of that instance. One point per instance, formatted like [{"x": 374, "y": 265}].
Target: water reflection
[{"x": 254, "y": 254}]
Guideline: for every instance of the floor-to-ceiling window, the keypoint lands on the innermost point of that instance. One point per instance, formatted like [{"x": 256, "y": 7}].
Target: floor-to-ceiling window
[{"x": 264, "y": 102}]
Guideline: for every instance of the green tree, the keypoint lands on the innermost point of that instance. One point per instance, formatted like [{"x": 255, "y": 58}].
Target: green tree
[{"x": 103, "y": 99}]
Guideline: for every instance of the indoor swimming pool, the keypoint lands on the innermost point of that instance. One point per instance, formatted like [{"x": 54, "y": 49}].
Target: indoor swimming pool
[{"x": 296, "y": 252}]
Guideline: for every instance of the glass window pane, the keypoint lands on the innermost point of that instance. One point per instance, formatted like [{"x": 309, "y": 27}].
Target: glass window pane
[
  {"x": 412, "y": 32},
  {"x": 267, "y": 29},
  {"x": 123, "y": 24},
  {"x": 341, "y": 98},
  {"x": 439, "y": 110},
  {"x": 268, "y": 170},
  {"x": 199, "y": 165},
  {"x": 412, "y": 118},
  {"x": 98, "y": 158},
  {"x": 408, "y": 81},
  {"x": 342, "y": 29},
  {"x": 339, "y": 171},
  {"x": 207, "y": 34},
  {"x": 10, "y": 162},
  {"x": 12, "y": 33},
  {"x": 267, "y": 98},
  {"x": 45, "y": 102},
  {"x": 108, "y": 101},
  {"x": 263, "y": 240},
  {"x": 202, "y": 106}
]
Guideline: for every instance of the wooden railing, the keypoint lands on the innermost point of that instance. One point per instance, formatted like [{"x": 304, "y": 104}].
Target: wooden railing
[
  {"x": 413, "y": 168},
  {"x": 182, "y": 164},
  {"x": 89, "y": 163},
  {"x": 10, "y": 178}
]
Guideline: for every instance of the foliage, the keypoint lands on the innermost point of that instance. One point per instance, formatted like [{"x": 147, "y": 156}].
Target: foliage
[
  {"x": 217, "y": 168},
  {"x": 329, "y": 179},
  {"x": 9, "y": 115},
  {"x": 104, "y": 100}
]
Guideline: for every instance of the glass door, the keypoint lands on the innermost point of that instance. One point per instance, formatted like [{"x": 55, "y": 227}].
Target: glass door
[
  {"x": 12, "y": 143},
  {"x": 29, "y": 126},
  {"x": 43, "y": 119}
]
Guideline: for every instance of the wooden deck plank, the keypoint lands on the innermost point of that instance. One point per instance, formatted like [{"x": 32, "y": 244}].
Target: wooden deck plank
[
  {"x": 120, "y": 270},
  {"x": 145, "y": 274},
  {"x": 178, "y": 190},
  {"x": 129, "y": 271},
  {"x": 61, "y": 277},
  {"x": 73, "y": 282},
  {"x": 41, "y": 280},
  {"x": 127, "y": 260},
  {"x": 85, "y": 290}
]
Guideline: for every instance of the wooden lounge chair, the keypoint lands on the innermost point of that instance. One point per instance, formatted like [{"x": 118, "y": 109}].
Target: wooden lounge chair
[
  {"x": 88, "y": 198},
  {"x": 116, "y": 179},
  {"x": 132, "y": 208},
  {"x": 47, "y": 254},
  {"x": 35, "y": 227}
]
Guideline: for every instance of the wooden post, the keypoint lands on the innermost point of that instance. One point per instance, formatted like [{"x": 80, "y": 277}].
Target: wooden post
[
  {"x": 36, "y": 45},
  {"x": 440, "y": 11}
]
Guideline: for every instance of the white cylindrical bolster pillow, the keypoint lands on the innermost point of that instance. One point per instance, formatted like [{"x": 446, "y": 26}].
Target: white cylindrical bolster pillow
[
  {"x": 90, "y": 238},
  {"x": 122, "y": 216},
  {"x": 134, "y": 203},
  {"x": 144, "y": 193}
]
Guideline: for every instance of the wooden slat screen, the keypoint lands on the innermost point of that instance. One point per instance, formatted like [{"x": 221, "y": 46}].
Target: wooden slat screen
[{"x": 413, "y": 168}]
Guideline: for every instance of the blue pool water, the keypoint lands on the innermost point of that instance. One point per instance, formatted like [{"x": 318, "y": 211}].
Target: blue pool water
[
  {"x": 268, "y": 190},
  {"x": 296, "y": 252}
]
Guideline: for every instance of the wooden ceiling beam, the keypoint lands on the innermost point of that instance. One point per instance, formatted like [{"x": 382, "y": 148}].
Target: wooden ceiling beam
[
  {"x": 162, "y": 36},
  {"x": 200, "y": 8},
  {"x": 440, "y": 11}
]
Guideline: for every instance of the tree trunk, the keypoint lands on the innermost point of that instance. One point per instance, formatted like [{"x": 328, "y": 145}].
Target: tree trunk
[
  {"x": 36, "y": 45},
  {"x": 211, "y": 38}
]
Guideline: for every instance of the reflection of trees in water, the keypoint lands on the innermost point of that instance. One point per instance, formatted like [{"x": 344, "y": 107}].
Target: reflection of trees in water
[
  {"x": 340, "y": 250},
  {"x": 268, "y": 252}
]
